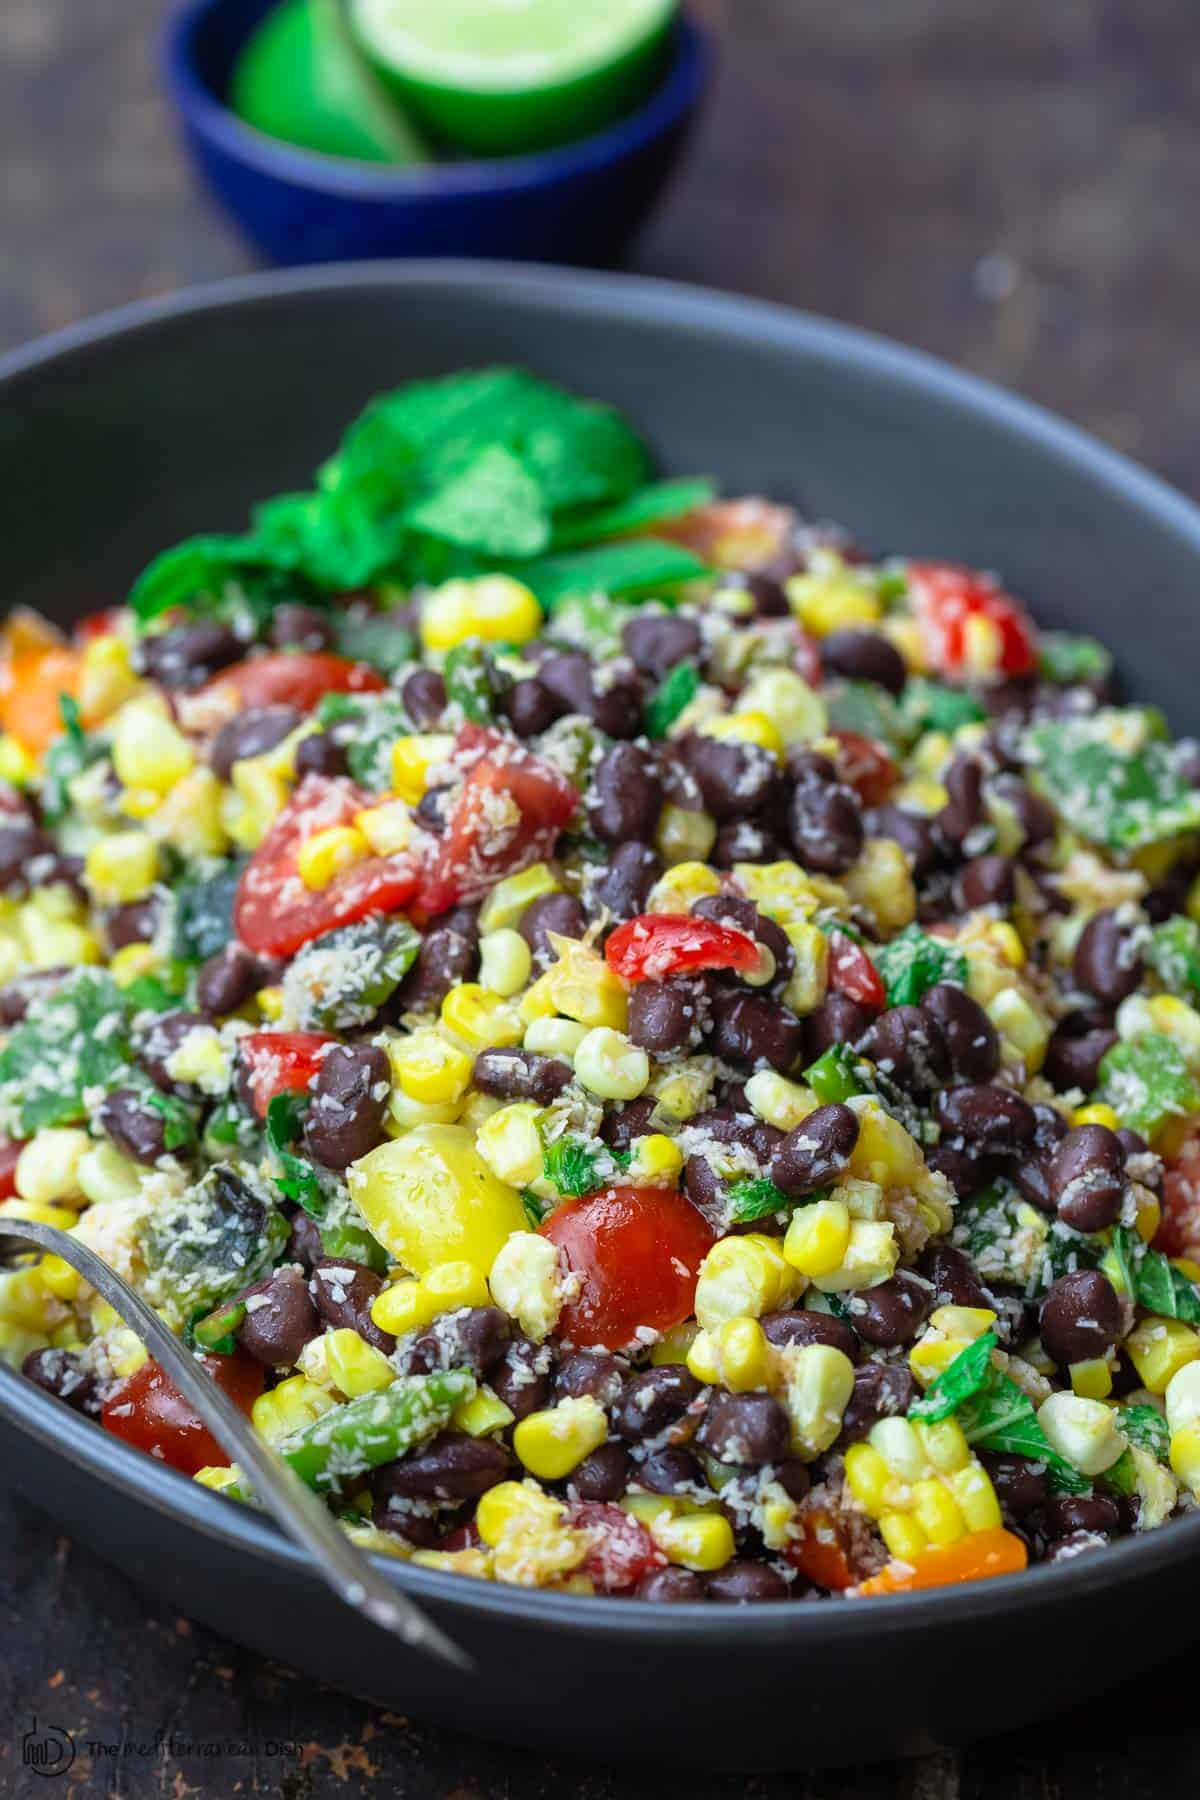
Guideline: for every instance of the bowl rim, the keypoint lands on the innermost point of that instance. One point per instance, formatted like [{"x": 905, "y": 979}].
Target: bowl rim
[
  {"x": 127, "y": 1471},
  {"x": 677, "y": 95}
]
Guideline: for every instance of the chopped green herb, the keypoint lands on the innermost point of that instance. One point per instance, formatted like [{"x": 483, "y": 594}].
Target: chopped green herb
[
  {"x": 203, "y": 913},
  {"x": 1115, "y": 781},
  {"x": 1145, "y": 1426},
  {"x": 1001, "y": 1417},
  {"x": 1146, "y": 1081},
  {"x": 298, "y": 1179},
  {"x": 1067, "y": 660},
  {"x": 648, "y": 506},
  {"x": 868, "y": 709},
  {"x": 673, "y": 693},
  {"x": 382, "y": 720},
  {"x": 1153, "y": 1280},
  {"x": 960, "y": 1382},
  {"x": 576, "y": 1166},
  {"x": 755, "y": 1198},
  {"x": 535, "y": 1209},
  {"x": 468, "y": 676},
  {"x": 1174, "y": 953},
  {"x": 931, "y": 706},
  {"x": 70, "y": 1042},
  {"x": 635, "y": 566},
  {"x": 913, "y": 963}
]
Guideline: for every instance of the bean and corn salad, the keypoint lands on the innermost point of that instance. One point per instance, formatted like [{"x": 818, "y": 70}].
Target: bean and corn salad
[{"x": 651, "y": 1053}]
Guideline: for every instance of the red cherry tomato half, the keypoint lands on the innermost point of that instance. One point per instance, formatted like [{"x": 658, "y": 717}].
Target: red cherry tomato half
[
  {"x": 507, "y": 816},
  {"x": 622, "y": 1550},
  {"x": 280, "y": 1062},
  {"x": 866, "y": 766},
  {"x": 822, "y": 1554},
  {"x": 657, "y": 945},
  {"x": 148, "y": 1412},
  {"x": 851, "y": 972},
  {"x": 945, "y": 596},
  {"x": 9, "y": 1152},
  {"x": 97, "y": 624},
  {"x": 297, "y": 678},
  {"x": 637, "y": 1252},
  {"x": 275, "y": 912}
]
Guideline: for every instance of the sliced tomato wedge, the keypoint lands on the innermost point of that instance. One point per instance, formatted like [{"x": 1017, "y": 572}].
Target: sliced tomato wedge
[
  {"x": 655, "y": 946},
  {"x": 851, "y": 972},
  {"x": 279, "y": 1062},
  {"x": 637, "y": 1252},
  {"x": 945, "y": 597},
  {"x": 149, "y": 1412},
  {"x": 275, "y": 913},
  {"x": 508, "y": 815},
  {"x": 821, "y": 1555},
  {"x": 622, "y": 1550},
  {"x": 296, "y": 678}
]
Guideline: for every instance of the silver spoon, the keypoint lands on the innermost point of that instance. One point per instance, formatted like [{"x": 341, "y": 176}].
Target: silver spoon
[{"x": 338, "y": 1560}]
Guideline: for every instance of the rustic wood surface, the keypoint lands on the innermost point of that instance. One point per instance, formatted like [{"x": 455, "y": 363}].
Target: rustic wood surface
[{"x": 1013, "y": 187}]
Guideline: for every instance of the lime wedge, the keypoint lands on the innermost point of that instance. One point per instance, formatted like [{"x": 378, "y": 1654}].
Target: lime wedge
[
  {"x": 498, "y": 77},
  {"x": 301, "y": 79}
]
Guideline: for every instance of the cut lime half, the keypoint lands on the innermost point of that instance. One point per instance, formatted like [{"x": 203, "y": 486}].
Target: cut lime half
[{"x": 499, "y": 77}]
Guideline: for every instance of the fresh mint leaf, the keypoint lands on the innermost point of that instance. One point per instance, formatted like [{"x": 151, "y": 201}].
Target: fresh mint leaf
[
  {"x": 493, "y": 507},
  {"x": 755, "y": 1198},
  {"x": 633, "y": 566},
  {"x": 913, "y": 963},
  {"x": 1117, "y": 783},
  {"x": 1146, "y": 1081},
  {"x": 298, "y": 1178},
  {"x": 1153, "y": 1280},
  {"x": 674, "y": 692},
  {"x": 960, "y": 1382},
  {"x": 1001, "y": 1417},
  {"x": 651, "y": 505}
]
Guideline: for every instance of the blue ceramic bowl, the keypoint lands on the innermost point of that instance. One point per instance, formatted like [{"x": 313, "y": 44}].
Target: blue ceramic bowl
[{"x": 578, "y": 204}]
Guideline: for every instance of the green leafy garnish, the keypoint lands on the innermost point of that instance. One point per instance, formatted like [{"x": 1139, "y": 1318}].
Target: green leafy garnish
[
  {"x": 958, "y": 1383},
  {"x": 913, "y": 963},
  {"x": 340, "y": 980},
  {"x": 648, "y": 506},
  {"x": 1000, "y": 1417},
  {"x": 468, "y": 677},
  {"x": 1145, "y": 1426},
  {"x": 1116, "y": 782},
  {"x": 931, "y": 706},
  {"x": 535, "y": 1209},
  {"x": 1067, "y": 660},
  {"x": 382, "y": 720},
  {"x": 673, "y": 693},
  {"x": 1146, "y": 1081},
  {"x": 298, "y": 1179},
  {"x": 755, "y": 1198},
  {"x": 203, "y": 913},
  {"x": 1174, "y": 954},
  {"x": 837, "y": 1074},
  {"x": 1153, "y": 1280},
  {"x": 73, "y": 1040},
  {"x": 628, "y": 567},
  {"x": 576, "y": 1166}
]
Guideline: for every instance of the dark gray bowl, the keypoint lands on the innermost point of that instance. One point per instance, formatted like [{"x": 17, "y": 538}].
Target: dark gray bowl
[{"x": 118, "y": 437}]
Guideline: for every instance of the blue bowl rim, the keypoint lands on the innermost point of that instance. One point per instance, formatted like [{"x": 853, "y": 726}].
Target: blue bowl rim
[
  {"x": 127, "y": 1471},
  {"x": 677, "y": 96}
]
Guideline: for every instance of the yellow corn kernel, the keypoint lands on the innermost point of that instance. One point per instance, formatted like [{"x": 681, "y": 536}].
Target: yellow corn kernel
[
  {"x": 937, "y": 1513},
  {"x": 903, "y": 1536},
  {"x": 553, "y": 1442},
  {"x": 976, "y": 1497},
  {"x": 885, "y": 1152},
  {"x": 482, "y": 1021},
  {"x": 944, "y": 1445},
  {"x": 683, "y": 835},
  {"x": 510, "y": 1143},
  {"x": 387, "y": 828},
  {"x": 16, "y": 764},
  {"x": 191, "y": 817},
  {"x": 832, "y": 602},
  {"x": 963, "y": 1322},
  {"x": 526, "y": 1283},
  {"x": 797, "y": 712},
  {"x": 818, "y": 1237},
  {"x": 743, "y": 1355},
  {"x": 681, "y": 1089},
  {"x": 451, "y": 1285},
  {"x": 744, "y": 1277},
  {"x": 413, "y": 758},
  {"x": 484, "y": 1412},
  {"x": 48, "y": 1166},
  {"x": 148, "y": 751},
  {"x": 819, "y": 1383},
  {"x": 509, "y": 899},
  {"x": 60, "y": 1278},
  {"x": 881, "y": 883},
  {"x": 429, "y": 1198},
  {"x": 581, "y": 986},
  {"x": 745, "y": 727},
  {"x": 257, "y": 796},
  {"x": 1182, "y": 1397},
  {"x": 922, "y": 795},
  {"x": 868, "y": 1477},
  {"x": 782, "y": 890},
  {"x": 701, "y": 1358},
  {"x": 1091, "y": 1379},
  {"x": 700, "y": 1541},
  {"x": 1096, "y": 1114},
  {"x": 55, "y": 943},
  {"x": 655, "y": 1159},
  {"x": 871, "y": 1256},
  {"x": 809, "y": 980},
  {"x": 681, "y": 886},
  {"x": 404, "y": 1306},
  {"x": 782, "y": 1103},
  {"x": 288, "y": 1408},
  {"x": 1149, "y": 1215},
  {"x": 426, "y": 1067},
  {"x": 496, "y": 609},
  {"x": 330, "y": 853},
  {"x": 40, "y": 1212},
  {"x": 1159, "y": 1348},
  {"x": 269, "y": 1001},
  {"x": 554, "y": 1037},
  {"x": 674, "y": 1346},
  {"x": 902, "y": 1448},
  {"x": 355, "y": 1366},
  {"x": 514, "y": 1503},
  {"x": 1024, "y": 1029},
  {"x": 121, "y": 868},
  {"x": 932, "y": 1355},
  {"x": 1086, "y": 1432},
  {"x": 505, "y": 962},
  {"x": 1185, "y": 1456},
  {"x": 219, "y": 1477},
  {"x": 610, "y": 1066}
]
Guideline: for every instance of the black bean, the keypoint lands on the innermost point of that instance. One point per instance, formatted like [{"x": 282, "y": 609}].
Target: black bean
[
  {"x": 743, "y": 1583},
  {"x": 808, "y": 768},
  {"x": 133, "y": 1126},
  {"x": 985, "y": 881},
  {"x": 670, "y": 1471},
  {"x": 811, "y": 1327},
  {"x": 1141, "y": 1163},
  {"x": 1080, "y": 1317},
  {"x": 451, "y": 1466},
  {"x": 826, "y": 827},
  {"x": 1034, "y": 815},
  {"x": 17, "y": 996},
  {"x": 22, "y": 848},
  {"x": 912, "y": 831},
  {"x": 134, "y": 923},
  {"x": 964, "y": 810},
  {"x": 471, "y": 1337},
  {"x": 529, "y": 707},
  {"x": 158, "y": 1043},
  {"x": 622, "y": 1124},
  {"x": 662, "y": 1014},
  {"x": 1107, "y": 960},
  {"x": 304, "y": 1244},
  {"x": 892, "y": 1312},
  {"x": 521, "y": 1075},
  {"x": 449, "y": 954},
  {"x": 735, "y": 780},
  {"x": 187, "y": 655},
  {"x": 251, "y": 733},
  {"x": 59, "y": 1372},
  {"x": 280, "y": 1319},
  {"x": 349, "y": 1104},
  {"x": 1080, "y": 1543},
  {"x": 751, "y": 1031},
  {"x": 794, "y": 1478},
  {"x": 1032, "y": 1177},
  {"x": 624, "y": 886},
  {"x": 603, "y": 1475},
  {"x": 227, "y": 980},
  {"x": 968, "y": 1034},
  {"x": 881, "y": 1391},
  {"x": 424, "y": 698},
  {"x": 295, "y": 626},
  {"x": 625, "y": 796},
  {"x": 521, "y": 1379},
  {"x": 743, "y": 1130},
  {"x": 560, "y": 913},
  {"x": 342, "y": 1293},
  {"x": 616, "y": 707},
  {"x": 707, "y": 1191},
  {"x": 1087, "y": 1178},
  {"x": 964, "y": 1169},
  {"x": 743, "y": 915},
  {"x": 1074, "y": 1062},
  {"x": 671, "y": 1587},
  {"x": 746, "y": 841},
  {"x": 321, "y": 754},
  {"x": 864, "y": 656},
  {"x": 432, "y": 811},
  {"x": 988, "y": 1118},
  {"x": 838, "y": 1020},
  {"x": 765, "y": 589},
  {"x": 817, "y": 1151},
  {"x": 1066, "y": 1514},
  {"x": 589, "y": 1374},
  {"x": 1021, "y": 1487},
  {"x": 747, "y": 1429},
  {"x": 655, "y": 1401},
  {"x": 657, "y": 642},
  {"x": 906, "y": 1043},
  {"x": 952, "y": 1276}
]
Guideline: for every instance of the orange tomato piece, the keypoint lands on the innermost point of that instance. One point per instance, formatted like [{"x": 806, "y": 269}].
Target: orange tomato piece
[
  {"x": 30, "y": 689},
  {"x": 977, "y": 1557},
  {"x": 820, "y": 1555}
]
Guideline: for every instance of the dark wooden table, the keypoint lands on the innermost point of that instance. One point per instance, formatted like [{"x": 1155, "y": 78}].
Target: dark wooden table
[{"x": 1013, "y": 187}]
